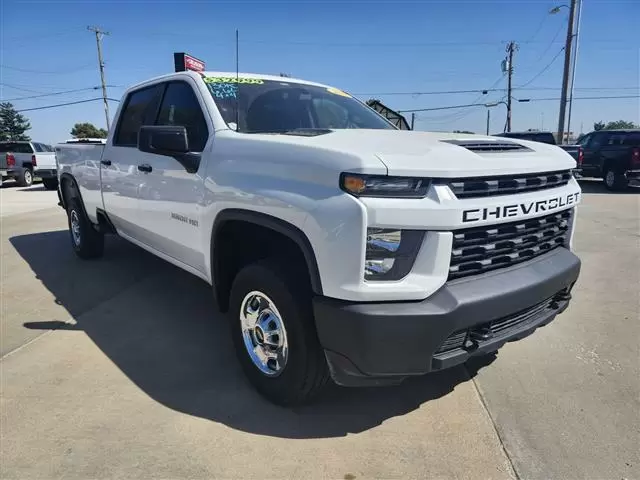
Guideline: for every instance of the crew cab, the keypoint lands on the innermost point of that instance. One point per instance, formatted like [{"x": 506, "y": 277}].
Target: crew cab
[
  {"x": 614, "y": 156},
  {"x": 339, "y": 246},
  {"x": 24, "y": 160}
]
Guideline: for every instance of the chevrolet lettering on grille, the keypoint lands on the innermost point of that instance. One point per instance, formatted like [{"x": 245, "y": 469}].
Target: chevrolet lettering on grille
[{"x": 518, "y": 209}]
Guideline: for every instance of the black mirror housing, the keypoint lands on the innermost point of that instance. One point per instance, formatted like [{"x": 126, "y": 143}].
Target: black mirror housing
[
  {"x": 163, "y": 139},
  {"x": 171, "y": 141}
]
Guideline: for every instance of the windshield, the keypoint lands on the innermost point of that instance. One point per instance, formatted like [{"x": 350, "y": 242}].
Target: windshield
[{"x": 274, "y": 106}]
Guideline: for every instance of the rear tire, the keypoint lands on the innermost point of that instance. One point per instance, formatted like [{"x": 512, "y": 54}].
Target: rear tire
[
  {"x": 25, "y": 178},
  {"x": 86, "y": 241},
  {"x": 50, "y": 183},
  {"x": 614, "y": 181},
  {"x": 277, "y": 300}
]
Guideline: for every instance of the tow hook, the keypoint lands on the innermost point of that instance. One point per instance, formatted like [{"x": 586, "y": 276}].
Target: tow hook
[
  {"x": 561, "y": 296},
  {"x": 481, "y": 334}
]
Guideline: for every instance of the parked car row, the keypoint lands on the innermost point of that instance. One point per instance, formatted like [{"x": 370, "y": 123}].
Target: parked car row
[
  {"x": 22, "y": 161},
  {"x": 613, "y": 155}
]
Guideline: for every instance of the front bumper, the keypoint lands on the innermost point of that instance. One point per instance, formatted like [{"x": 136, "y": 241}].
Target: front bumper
[{"x": 382, "y": 343}]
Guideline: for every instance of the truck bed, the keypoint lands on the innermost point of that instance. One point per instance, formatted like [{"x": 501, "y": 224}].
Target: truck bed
[{"x": 82, "y": 161}]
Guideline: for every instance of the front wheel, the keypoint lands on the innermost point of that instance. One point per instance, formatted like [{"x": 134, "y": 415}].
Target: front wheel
[
  {"x": 86, "y": 241},
  {"x": 50, "y": 183},
  {"x": 614, "y": 181},
  {"x": 274, "y": 333}
]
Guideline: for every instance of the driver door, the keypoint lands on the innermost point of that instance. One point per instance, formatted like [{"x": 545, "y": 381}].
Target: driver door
[{"x": 170, "y": 197}]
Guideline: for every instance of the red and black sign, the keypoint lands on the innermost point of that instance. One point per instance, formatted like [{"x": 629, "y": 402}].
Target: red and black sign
[{"x": 184, "y": 62}]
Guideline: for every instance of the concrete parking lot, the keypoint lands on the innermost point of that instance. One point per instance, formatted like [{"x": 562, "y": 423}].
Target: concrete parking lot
[{"x": 121, "y": 368}]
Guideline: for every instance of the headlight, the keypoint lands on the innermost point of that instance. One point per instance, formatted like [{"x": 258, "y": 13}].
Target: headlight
[
  {"x": 383, "y": 186},
  {"x": 390, "y": 253}
]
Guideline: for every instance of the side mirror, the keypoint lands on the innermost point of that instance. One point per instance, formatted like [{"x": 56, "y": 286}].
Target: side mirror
[{"x": 171, "y": 141}]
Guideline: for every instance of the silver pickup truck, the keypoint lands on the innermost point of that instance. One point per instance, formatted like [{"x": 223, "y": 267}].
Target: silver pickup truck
[{"x": 22, "y": 161}]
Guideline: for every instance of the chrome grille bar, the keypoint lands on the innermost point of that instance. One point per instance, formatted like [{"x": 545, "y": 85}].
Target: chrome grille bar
[
  {"x": 492, "y": 186},
  {"x": 480, "y": 249}
]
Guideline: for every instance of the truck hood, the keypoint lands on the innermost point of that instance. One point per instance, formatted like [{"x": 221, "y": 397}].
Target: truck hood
[{"x": 411, "y": 153}]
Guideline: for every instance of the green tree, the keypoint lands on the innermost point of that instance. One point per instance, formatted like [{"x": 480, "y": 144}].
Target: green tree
[
  {"x": 88, "y": 130},
  {"x": 614, "y": 125},
  {"x": 13, "y": 124}
]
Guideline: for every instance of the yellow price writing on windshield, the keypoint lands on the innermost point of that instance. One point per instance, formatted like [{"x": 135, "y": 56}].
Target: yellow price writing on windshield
[{"x": 253, "y": 81}]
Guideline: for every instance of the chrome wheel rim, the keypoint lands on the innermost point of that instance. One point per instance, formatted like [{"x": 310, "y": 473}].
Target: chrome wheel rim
[
  {"x": 27, "y": 177},
  {"x": 610, "y": 178},
  {"x": 75, "y": 228},
  {"x": 264, "y": 333}
]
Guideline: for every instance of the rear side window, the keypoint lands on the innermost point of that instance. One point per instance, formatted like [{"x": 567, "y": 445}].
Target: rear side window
[
  {"x": 140, "y": 109},
  {"x": 15, "y": 147},
  {"x": 598, "y": 139},
  {"x": 632, "y": 139},
  {"x": 181, "y": 107}
]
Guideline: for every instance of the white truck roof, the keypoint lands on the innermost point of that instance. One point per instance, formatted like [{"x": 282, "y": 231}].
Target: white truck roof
[{"x": 169, "y": 76}]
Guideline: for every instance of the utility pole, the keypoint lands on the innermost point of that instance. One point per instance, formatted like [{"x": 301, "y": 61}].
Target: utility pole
[
  {"x": 511, "y": 48},
  {"x": 573, "y": 65},
  {"x": 565, "y": 74},
  {"x": 488, "y": 119},
  {"x": 99, "y": 34}
]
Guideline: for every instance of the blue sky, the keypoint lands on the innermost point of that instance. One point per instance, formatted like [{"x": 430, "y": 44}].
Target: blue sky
[{"x": 367, "y": 48}]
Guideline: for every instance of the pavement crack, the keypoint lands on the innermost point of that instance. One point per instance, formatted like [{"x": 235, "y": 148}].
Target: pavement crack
[
  {"x": 495, "y": 427},
  {"x": 20, "y": 347}
]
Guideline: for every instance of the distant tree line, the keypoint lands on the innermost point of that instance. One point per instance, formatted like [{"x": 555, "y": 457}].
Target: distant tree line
[
  {"x": 618, "y": 124},
  {"x": 87, "y": 130}
]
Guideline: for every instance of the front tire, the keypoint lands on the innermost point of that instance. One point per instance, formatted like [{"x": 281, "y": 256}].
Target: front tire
[
  {"x": 274, "y": 333},
  {"x": 25, "y": 178},
  {"x": 50, "y": 183},
  {"x": 614, "y": 181},
  {"x": 86, "y": 241}
]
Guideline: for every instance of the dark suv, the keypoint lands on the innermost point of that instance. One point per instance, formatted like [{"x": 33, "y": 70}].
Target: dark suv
[{"x": 613, "y": 155}]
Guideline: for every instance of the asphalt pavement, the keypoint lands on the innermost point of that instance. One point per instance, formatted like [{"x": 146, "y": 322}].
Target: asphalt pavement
[{"x": 121, "y": 367}]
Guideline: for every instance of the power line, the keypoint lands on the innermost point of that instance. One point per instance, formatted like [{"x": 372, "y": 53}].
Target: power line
[
  {"x": 51, "y": 94},
  {"x": 452, "y": 92},
  {"x": 66, "y": 103},
  {"x": 46, "y": 72},
  {"x": 524, "y": 100},
  {"x": 14, "y": 87},
  {"x": 543, "y": 70},
  {"x": 552, "y": 42}
]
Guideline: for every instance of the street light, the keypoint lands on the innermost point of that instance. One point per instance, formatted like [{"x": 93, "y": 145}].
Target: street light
[
  {"x": 556, "y": 9},
  {"x": 489, "y": 105}
]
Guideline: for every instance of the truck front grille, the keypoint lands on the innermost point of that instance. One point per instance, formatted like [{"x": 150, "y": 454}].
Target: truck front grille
[
  {"x": 481, "y": 249},
  {"x": 508, "y": 185}
]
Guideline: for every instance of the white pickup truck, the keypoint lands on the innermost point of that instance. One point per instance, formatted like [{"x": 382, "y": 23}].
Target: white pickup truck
[{"x": 340, "y": 246}]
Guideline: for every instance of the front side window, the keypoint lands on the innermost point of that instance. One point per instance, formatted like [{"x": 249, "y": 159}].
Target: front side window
[
  {"x": 181, "y": 107},
  {"x": 251, "y": 105},
  {"x": 140, "y": 109}
]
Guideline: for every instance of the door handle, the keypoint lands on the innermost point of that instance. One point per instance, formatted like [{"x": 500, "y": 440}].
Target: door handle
[
  {"x": 145, "y": 167},
  {"x": 106, "y": 163}
]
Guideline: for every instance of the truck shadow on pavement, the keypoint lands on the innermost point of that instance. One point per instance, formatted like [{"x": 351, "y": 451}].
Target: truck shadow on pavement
[{"x": 160, "y": 327}]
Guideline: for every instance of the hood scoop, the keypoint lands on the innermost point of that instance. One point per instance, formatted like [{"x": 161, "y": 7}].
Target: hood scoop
[{"x": 489, "y": 146}]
